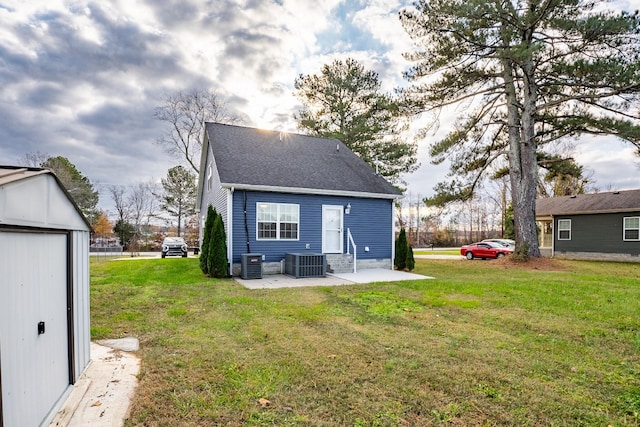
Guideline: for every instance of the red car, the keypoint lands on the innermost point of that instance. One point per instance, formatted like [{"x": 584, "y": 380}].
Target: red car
[{"x": 485, "y": 250}]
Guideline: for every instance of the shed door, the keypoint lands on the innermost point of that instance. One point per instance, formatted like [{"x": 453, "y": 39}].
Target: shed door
[
  {"x": 332, "y": 237},
  {"x": 34, "y": 368}
]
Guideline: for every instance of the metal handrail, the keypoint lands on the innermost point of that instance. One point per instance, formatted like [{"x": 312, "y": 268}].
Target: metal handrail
[{"x": 355, "y": 250}]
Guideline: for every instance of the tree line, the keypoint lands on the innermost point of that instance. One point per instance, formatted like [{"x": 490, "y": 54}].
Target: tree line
[
  {"x": 140, "y": 205},
  {"x": 137, "y": 206}
]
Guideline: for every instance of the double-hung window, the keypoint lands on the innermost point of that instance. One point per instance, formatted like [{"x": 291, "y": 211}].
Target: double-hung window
[
  {"x": 564, "y": 229},
  {"x": 277, "y": 221},
  {"x": 631, "y": 228}
]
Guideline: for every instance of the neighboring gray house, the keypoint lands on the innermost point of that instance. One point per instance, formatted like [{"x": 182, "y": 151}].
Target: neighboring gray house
[
  {"x": 602, "y": 226},
  {"x": 281, "y": 193},
  {"x": 44, "y": 295}
]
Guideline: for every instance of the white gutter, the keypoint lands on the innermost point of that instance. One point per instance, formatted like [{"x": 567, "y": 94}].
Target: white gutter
[{"x": 316, "y": 191}]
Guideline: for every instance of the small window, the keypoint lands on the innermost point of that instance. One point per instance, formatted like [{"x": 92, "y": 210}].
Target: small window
[
  {"x": 209, "y": 178},
  {"x": 631, "y": 228},
  {"x": 277, "y": 221},
  {"x": 564, "y": 229}
]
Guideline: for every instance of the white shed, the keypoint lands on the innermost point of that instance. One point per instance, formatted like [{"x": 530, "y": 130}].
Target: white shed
[{"x": 44, "y": 296}]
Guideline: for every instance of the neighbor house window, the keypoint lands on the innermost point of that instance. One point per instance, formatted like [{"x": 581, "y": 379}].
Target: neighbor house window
[
  {"x": 564, "y": 229},
  {"x": 209, "y": 178},
  {"x": 277, "y": 221},
  {"x": 631, "y": 228}
]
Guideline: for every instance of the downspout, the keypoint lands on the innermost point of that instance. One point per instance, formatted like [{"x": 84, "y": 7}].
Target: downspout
[
  {"x": 393, "y": 231},
  {"x": 230, "y": 229},
  {"x": 246, "y": 224},
  {"x": 553, "y": 236}
]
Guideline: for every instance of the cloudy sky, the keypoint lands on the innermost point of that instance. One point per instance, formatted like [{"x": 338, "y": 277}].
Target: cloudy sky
[{"x": 81, "y": 78}]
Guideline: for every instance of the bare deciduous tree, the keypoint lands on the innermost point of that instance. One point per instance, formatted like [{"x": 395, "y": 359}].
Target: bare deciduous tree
[
  {"x": 136, "y": 205},
  {"x": 144, "y": 206},
  {"x": 34, "y": 159},
  {"x": 118, "y": 196},
  {"x": 185, "y": 114}
]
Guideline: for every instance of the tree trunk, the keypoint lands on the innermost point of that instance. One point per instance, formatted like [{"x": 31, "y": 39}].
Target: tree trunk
[
  {"x": 179, "y": 220},
  {"x": 522, "y": 164},
  {"x": 525, "y": 207}
]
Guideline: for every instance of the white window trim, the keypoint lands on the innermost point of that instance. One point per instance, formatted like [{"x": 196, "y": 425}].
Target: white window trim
[
  {"x": 277, "y": 238},
  {"x": 564, "y": 229},
  {"x": 624, "y": 228}
]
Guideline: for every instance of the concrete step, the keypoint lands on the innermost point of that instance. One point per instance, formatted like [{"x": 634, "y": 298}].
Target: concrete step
[{"x": 339, "y": 263}]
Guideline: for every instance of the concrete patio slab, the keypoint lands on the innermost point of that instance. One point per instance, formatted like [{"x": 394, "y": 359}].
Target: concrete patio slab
[{"x": 370, "y": 275}]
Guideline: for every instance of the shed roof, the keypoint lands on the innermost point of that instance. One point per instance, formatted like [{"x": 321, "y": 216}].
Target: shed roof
[
  {"x": 616, "y": 201},
  {"x": 15, "y": 175},
  {"x": 277, "y": 161}
]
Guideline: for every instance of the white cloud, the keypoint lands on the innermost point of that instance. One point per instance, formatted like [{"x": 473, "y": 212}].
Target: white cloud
[
  {"x": 614, "y": 163},
  {"x": 81, "y": 78}
]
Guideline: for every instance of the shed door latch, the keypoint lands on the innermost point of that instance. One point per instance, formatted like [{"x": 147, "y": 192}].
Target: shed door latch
[{"x": 40, "y": 328}]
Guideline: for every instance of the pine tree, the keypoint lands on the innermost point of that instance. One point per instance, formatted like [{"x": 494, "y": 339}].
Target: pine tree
[
  {"x": 77, "y": 185},
  {"x": 179, "y": 194},
  {"x": 400, "y": 260},
  {"x": 345, "y": 101},
  {"x": 509, "y": 232},
  {"x": 411, "y": 262},
  {"x": 530, "y": 74},
  {"x": 206, "y": 238}
]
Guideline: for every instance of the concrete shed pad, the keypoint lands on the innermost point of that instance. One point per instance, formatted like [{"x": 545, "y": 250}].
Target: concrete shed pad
[{"x": 103, "y": 394}]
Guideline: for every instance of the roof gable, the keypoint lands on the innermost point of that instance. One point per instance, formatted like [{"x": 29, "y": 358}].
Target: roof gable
[
  {"x": 277, "y": 160},
  {"x": 616, "y": 201},
  {"x": 34, "y": 197}
]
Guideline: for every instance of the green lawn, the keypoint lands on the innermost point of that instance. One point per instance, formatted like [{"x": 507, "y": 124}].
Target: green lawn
[
  {"x": 437, "y": 252},
  {"x": 482, "y": 344}
]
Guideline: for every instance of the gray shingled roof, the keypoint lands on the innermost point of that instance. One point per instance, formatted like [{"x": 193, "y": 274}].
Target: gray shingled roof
[
  {"x": 255, "y": 157},
  {"x": 617, "y": 201}
]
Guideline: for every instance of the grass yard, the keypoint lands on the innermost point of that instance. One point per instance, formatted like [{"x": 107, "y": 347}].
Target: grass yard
[
  {"x": 485, "y": 343},
  {"x": 437, "y": 252}
]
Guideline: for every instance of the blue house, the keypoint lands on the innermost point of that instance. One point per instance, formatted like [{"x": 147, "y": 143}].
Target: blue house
[{"x": 282, "y": 193}]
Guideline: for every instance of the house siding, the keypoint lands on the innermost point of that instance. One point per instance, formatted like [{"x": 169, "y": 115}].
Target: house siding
[
  {"x": 216, "y": 196},
  {"x": 369, "y": 221},
  {"x": 597, "y": 233}
]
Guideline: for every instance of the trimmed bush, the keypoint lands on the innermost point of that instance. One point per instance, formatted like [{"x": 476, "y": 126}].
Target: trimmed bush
[
  {"x": 218, "y": 250},
  {"x": 400, "y": 259},
  {"x": 411, "y": 262},
  {"x": 208, "y": 229}
]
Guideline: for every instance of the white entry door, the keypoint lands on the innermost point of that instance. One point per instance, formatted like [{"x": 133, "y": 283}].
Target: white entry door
[
  {"x": 332, "y": 237},
  {"x": 34, "y": 363}
]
